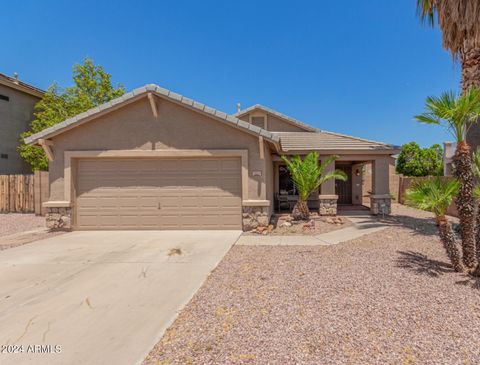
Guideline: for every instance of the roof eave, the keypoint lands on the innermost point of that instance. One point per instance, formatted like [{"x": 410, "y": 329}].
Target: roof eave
[
  {"x": 20, "y": 86},
  {"x": 386, "y": 151}
]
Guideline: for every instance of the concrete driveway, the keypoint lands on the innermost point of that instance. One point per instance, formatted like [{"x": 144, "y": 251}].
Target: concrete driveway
[{"x": 102, "y": 297}]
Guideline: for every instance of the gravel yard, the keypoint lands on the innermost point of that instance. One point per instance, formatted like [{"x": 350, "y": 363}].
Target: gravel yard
[
  {"x": 15, "y": 223},
  {"x": 284, "y": 225},
  {"x": 386, "y": 298},
  {"x": 18, "y": 229}
]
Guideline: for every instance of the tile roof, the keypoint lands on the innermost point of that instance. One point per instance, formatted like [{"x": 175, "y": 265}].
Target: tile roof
[
  {"x": 325, "y": 141},
  {"x": 317, "y": 139},
  {"x": 163, "y": 93},
  {"x": 291, "y": 120}
]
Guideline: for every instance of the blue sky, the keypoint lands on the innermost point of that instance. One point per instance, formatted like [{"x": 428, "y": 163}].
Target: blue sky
[{"x": 356, "y": 67}]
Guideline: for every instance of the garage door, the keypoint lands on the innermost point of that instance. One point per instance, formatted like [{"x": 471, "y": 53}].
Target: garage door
[{"x": 158, "y": 194}]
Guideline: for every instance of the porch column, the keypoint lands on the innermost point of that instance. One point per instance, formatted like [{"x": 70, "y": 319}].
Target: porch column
[
  {"x": 380, "y": 199},
  {"x": 357, "y": 180},
  {"x": 327, "y": 198}
]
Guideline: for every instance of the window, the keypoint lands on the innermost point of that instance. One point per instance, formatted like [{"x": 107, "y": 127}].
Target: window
[
  {"x": 258, "y": 121},
  {"x": 4, "y": 97},
  {"x": 285, "y": 183},
  {"x": 4, "y": 155}
]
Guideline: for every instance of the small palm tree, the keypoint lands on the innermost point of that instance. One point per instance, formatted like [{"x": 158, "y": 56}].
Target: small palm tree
[
  {"x": 458, "y": 114},
  {"x": 308, "y": 176},
  {"x": 435, "y": 195}
]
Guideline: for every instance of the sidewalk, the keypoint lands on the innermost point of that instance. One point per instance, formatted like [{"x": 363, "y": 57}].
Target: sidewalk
[{"x": 362, "y": 224}]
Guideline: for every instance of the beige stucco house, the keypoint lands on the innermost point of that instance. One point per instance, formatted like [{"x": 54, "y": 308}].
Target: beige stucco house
[
  {"x": 154, "y": 159},
  {"x": 17, "y": 102}
]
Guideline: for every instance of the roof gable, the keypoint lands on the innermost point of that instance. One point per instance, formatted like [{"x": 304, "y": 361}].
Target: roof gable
[
  {"x": 136, "y": 94},
  {"x": 279, "y": 115}
]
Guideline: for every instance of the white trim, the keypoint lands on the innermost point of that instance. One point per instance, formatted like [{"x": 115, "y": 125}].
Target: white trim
[
  {"x": 256, "y": 203},
  {"x": 326, "y": 196},
  {"x": 57, "y": 204}
]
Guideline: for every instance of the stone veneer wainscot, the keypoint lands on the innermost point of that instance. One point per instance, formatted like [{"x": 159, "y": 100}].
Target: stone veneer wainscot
[
  {"x": 328, "y": 204},
  {"x": 59, "y": 218}
]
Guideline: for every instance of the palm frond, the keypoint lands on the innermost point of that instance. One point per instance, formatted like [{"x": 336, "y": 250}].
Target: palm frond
[
  {"x": 336, "y": 174},
  {"x": 426, "y": 11},
  {"x": 308, "y": 174},
  {"x": 476, "y": 192},
  {"x": 459, "y": 21},
  {"x": 457, "y": 113},
  {"x": 433, "y": 195}
]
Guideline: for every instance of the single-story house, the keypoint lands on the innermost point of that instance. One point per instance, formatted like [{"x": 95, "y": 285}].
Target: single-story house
[{"x": 154, "y": 159}]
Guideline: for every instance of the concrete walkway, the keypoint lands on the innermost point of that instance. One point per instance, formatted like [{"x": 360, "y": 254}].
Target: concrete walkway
[
  {"x": 102, "y": 297},
  {"x": 362, "y": 224}
]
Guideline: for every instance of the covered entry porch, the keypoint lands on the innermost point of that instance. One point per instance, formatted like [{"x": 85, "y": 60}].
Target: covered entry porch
[{"x": 359, "y": 191}]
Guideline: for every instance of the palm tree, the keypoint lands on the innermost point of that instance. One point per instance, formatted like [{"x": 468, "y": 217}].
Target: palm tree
[
  {"x": 476, "y": 194},
  {"x": 459, "y": 21},
  {"x": 435, "y": 195},
  {"x": 458, "y": 114},
  {"x": 308, "y": 176}
]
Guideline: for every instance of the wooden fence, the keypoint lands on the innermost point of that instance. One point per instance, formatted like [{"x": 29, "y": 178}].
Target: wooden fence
[
  {"x": 24, "y": 193},
  {"x": 406, "y": 182}
]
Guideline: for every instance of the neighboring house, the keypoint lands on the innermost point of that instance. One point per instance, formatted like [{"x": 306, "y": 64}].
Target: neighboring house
[
  {"x": 448, "y": 153},
  {"x": 17, "y": 101},
  {"x": 153, "y": 159},
  {"x": 473, "y": 136}
]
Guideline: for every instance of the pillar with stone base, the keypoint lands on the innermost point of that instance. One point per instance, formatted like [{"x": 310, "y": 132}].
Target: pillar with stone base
[
  {"x": 327, "y": 204},
  {"x": 327, "y": 198},
  {"x": 380, "y": 199},
  {"x": 254, "y": 216},
  {"x": 381, "y": 204},
  {"x": 59, "y": 218}
]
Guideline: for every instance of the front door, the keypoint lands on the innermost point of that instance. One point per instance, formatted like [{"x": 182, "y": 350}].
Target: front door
[{"x": 344, "y": 188}]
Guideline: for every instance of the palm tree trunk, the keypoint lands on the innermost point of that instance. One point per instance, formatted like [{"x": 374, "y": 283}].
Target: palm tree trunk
[
  {"x": 470, "y": 59},
  {"x": 448, "y": 240},
  {"x": 465, "y": 202},
  {"x": 477, "y": 241},
  {"x": 300, "y": 211}
]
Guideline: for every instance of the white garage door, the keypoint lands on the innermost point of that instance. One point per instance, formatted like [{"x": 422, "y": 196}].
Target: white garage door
[{"x": 159, "y": 194}]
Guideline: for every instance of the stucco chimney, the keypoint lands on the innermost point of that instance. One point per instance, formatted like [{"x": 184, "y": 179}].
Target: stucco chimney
[{"x": 238, "y": 107}]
